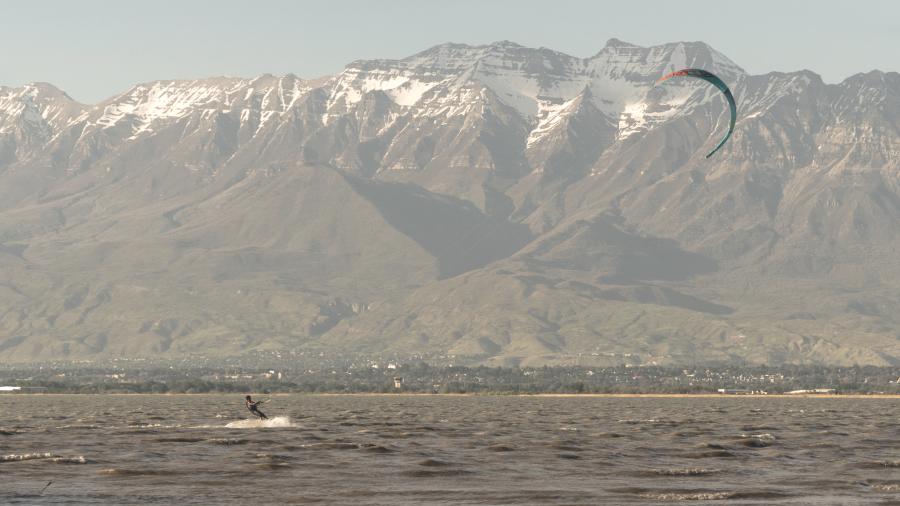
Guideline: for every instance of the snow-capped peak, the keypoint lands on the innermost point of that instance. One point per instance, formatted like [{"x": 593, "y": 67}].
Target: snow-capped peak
[
  {"x": 553, "y": 113},
  {"x": 167, "y": 99},
  {"x": 147, "y": 103},
  {"x": 39, "y": 104},
  {"x": 523, "y": 78}
]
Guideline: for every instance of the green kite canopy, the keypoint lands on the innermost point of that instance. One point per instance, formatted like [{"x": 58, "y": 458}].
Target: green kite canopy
[{"x": 718, "y": 83}]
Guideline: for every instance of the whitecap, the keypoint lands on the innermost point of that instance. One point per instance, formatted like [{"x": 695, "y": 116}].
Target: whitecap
[
  {"x": 16, "y": 457},
  {"x": 689, "y": 496},
  {"x": 272, "y": 423},
  {"x": 20, "y": 457},
  {"x": 761, "y": 437}
]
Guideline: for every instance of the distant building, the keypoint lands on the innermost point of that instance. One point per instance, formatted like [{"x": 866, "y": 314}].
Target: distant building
[
  {"x": 398, "y": 382},
  {"x": 9, "y": 389},
  {"x": 820, "y": 391}
]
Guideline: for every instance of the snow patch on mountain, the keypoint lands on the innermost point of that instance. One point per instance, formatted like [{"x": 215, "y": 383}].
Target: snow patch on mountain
[
  {"x": 144, "y": 105},
  {"x": 404, "y": 88},
  {"x": 550, "y": 116},
  {"x": 40, "y": 105},
  {"x": 539, "y": 84},
  {"x": 165, "y": 99},
  {"x": 448, "y": 81}
]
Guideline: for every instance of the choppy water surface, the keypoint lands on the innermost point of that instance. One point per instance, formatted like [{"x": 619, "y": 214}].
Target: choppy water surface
[{"x": 448, "y": 450}]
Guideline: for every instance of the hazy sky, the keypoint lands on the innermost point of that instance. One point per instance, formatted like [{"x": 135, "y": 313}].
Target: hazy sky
[{"x": 93, "y": 49}]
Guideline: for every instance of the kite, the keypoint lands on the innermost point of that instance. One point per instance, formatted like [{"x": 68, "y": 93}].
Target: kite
[{"x": 718, "y": 83}]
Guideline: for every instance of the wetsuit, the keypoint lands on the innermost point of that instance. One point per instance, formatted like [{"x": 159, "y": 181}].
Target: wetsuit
[{"x": 255, "y": 410}]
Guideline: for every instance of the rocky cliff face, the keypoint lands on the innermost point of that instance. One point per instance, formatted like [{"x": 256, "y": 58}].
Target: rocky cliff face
[{"x": 507, "y": 204}]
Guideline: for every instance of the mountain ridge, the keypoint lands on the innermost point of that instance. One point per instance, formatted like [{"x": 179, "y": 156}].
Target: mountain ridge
[{"x": 501, "y": 203}]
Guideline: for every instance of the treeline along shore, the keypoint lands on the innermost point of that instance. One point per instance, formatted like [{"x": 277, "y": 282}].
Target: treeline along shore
[{"x": 420, "y": 377}]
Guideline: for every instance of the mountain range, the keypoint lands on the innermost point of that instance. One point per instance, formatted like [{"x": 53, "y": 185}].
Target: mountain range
[{"x": 492, "y": 204}]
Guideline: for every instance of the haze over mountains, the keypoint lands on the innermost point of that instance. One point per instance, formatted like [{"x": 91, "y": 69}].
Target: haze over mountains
[{"x": 500, "y": 204}]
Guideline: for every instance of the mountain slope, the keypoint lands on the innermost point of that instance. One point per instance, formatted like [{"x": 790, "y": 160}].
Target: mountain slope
[
  {"x": 267, "y": 261},
  {"x": 496, "y": 203}
]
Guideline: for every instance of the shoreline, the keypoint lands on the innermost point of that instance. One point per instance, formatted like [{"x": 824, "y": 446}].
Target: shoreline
[{"x": 497, "y": 394}]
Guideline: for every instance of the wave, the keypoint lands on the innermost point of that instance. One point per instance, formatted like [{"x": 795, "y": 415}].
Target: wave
[
  {"x": 138, "y": 472},
  {"x": 272, "y": 423},
  {"x": 712, "y": 454},
  {"x": 879, "y": 464},
  {"x": 273, "y": 466},
  {"x": 610, "y": 435},
  {"x": 336, "y": 445},
  {"x": 761, "y": 437},
  {"x": 180, "y": 440},
  {"x": 709, "y": 495},
  {"x": 435, "y": 463},
  {"x": 757, "y": 428},
  {"x": 273, "y": 457},
  {"x": 149, "y": 428},
  {"x": 436, "y": 473},
  {"x": 375, "y": 448},
  {"x": 688, "y": 471},
  {"x": 756, "y": 440},
  {"x": 228, "y": 441},
  {"x": 689, "y": 496},
  {"x": 565, "y": 444},
  {"x": 58, "y": 459}
]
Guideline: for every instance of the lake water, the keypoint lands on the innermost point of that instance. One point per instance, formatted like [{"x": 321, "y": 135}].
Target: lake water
[{"x": 390, "y": 450}]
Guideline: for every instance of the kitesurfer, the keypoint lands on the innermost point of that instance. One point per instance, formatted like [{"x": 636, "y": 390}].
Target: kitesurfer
[{"x": 253, "y": 407}]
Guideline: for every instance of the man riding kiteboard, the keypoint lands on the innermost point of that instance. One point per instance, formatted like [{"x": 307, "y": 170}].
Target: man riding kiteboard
[{"x": 252, "y": 406}]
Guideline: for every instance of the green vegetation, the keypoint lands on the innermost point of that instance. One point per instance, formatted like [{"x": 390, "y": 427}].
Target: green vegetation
[{"x": 420, "y": 377}]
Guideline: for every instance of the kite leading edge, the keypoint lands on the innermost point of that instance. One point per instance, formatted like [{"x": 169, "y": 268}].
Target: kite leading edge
[{"x": 718, "y": 83}]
